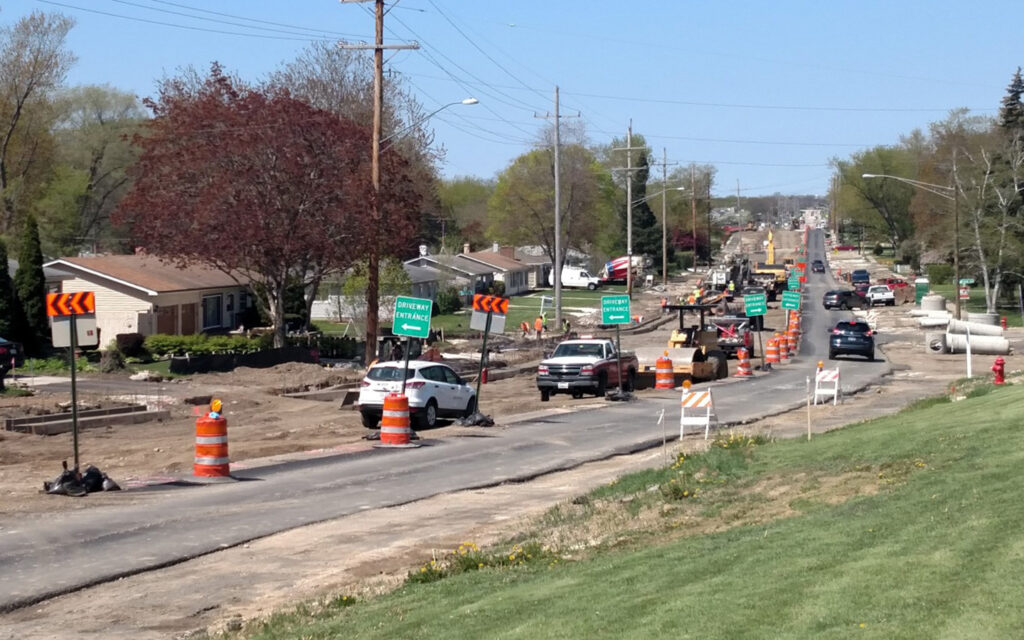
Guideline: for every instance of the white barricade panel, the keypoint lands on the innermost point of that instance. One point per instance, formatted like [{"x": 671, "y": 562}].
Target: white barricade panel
[
  {"x": 826, "y": 383},
  {"x": 696, "y": 408}
]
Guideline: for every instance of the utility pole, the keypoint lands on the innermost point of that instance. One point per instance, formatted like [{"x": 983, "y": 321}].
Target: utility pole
[
  {"x": 956, "y": 240},
  {"x": 556, "y": 274},
  {"x": 737, "y": 198},
  {"x": 664, "y": 217},
  {"x": 629, "y": 204},
  {"x": 693, "y": 217},
  {"x": 373, "y": 253}
]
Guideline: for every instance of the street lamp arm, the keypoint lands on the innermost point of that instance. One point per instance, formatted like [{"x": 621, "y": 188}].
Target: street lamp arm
[
  {"x": 943, "y": 191},
  {"x": 428, "y": 117},
  {"x": 660, "y": 193}
]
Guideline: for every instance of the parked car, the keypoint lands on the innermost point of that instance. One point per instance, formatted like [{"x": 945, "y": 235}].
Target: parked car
[
  {"x": 434, "y": 391},
  {"x": 881, "y": 294},
  {"x": 817, "y": 266},
  {"x": 895, "y": 283},
  {"x": 861, "y": 289},
  {"x": 845, "y": 247},
  {"x": 585, "y": 366},
  {"x": 841, "y": 299},
  {"x": 860, "y": 275},
  {"x": 852, "y": 337}
]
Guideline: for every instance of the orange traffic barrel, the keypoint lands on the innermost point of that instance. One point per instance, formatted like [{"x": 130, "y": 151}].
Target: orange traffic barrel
[
  {"x": 791, "y": 341},
  {"x": 743, "y": 368},
  {"x": 212, "y": 445},
  {"x": 771, "y": 351},
  {"x": 394, "y": 423},
  {"x": 664, "y": 377},
  {"x": 783, "y": 346}
]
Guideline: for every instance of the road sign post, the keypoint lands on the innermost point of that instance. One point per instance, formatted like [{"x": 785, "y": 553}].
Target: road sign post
[
  {"x": 411, "y": 319},
  {"x": 753, "y": 306},
  {"x": 615, "y": 310},
  {"x": 493, "y": 306},
  {"x": 71, "y": 305}
]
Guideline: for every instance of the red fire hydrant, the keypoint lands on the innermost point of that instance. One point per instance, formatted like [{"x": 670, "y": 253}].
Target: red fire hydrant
[
  {"x": 999, "y": 368},
  {"x": 1002, "y": 322}
]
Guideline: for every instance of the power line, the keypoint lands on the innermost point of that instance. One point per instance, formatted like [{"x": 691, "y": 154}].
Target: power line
[{"x": 276, "y": 24}]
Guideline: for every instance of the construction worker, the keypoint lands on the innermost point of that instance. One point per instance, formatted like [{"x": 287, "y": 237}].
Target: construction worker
[
  {"x": 566, "y": 327},
  {"x": 538, "y": 326},
  {"x": 524, "y": 326},
  {"x": 732, "y": 287}
]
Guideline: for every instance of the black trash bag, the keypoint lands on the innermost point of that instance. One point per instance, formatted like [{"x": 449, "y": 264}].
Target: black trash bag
[
  {"x": 110, "y": 485},
  {"x": 68, "y": 483},
  {"x": 95, "y": 480}
]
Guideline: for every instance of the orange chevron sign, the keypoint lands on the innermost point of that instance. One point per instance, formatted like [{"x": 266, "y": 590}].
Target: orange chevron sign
[
  {"x": 70, "y": 304},
  {"x": 492, "y": 304}
]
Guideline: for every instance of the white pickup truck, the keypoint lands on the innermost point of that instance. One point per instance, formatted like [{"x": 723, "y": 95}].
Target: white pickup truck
[{"x": 880, "y": 294}]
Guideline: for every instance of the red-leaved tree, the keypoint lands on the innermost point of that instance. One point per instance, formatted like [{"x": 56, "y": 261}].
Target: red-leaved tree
[{"x": 261, "y": 186}]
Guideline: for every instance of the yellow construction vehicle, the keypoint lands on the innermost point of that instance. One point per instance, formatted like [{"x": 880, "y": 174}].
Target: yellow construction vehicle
[{"x": 693, "y": 350}]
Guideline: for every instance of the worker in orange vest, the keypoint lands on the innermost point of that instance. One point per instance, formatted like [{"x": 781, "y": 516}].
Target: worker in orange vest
[
  {"x": 538, "y": 325},
  {"x": 524, "y": 326}
]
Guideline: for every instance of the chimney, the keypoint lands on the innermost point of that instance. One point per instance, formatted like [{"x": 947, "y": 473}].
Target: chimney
[
  {"x": 496, "y": 248},
  {"x": 465, "y": 248},
  {"x": 423, "y": 250},
  {"x": 508, "y": 251}
]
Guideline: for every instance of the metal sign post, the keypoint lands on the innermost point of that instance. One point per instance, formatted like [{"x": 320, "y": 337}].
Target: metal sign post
[
  {"x": 74, "y": 391},
  {"x": 412, "y": 320},
  {"x": 483, "y": 358},
  {"x": 753, "y": 306},
  {"x": 615, "y": 310},
  {"x": 66, "y": 308}
]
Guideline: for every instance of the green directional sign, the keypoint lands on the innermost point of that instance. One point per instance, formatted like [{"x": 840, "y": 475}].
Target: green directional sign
[
  {"x": 412, "y": 317},
  {"x": 796, "y": 272},
  {"x": 794, "y": 284},
  {"x": 614, "y": 309},
  {"x": 755, "y": 305},
  {"x": 791, "y": 300}
]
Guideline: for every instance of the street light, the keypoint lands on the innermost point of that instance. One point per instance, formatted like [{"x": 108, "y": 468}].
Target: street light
[
  {"x": 664, "y": 230},
  {"x": 428, "y": 117},
  {"x": 942, "y": 191}
]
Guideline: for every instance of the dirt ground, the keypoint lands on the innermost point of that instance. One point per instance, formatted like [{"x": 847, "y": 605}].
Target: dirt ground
[{"x": 365, "y": 553}]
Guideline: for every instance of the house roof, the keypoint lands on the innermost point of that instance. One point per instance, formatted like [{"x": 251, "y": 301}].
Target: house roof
[
  {"x": 498, "y": 260},
  {"x": 419, "y": 275},
  {"x": 455, "y": 263},
  {"x": 49, "y": 274},
  {"x": 146, "y": 273}
]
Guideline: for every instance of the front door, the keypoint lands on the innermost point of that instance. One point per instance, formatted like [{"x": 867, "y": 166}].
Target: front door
[
  {"x": 188, "y": 319},
  {"x": 167, "y": 320}
]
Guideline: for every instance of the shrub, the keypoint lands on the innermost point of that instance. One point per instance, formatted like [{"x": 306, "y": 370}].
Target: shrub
[
  {"x": 879, "y": 249},
  {"x": 497, "y": 288},
  {"x": 448, "y": 301},
  {"x": 111, "y": 361},
  {"x": 940, "y": 273},
  {"x": 131, "y": 345},
  {"x": 200, "y": 344}
]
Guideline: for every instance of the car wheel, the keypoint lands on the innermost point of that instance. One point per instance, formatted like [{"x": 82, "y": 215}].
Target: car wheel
[
  {"x": 843, "y": 307},
  {"x": 720, "y": 364},
  {"x": 370, "y": 420},
  {"x": 602, "y": 385},
  {"x": 545, "y": 395},
  {"x": 629, "y": 384},
  {"x": 831, "y": 355},
  {"x": 427, "y": 418},
  {"x": 891, "y": 303},
  {"x": 470, "y": 408},
  {"x": 577, "y": 394},
  {"x": 871, "y": 357},
  {"x": 591, "y": 286}
]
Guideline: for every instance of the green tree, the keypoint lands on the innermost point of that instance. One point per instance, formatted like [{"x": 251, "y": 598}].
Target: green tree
[
  {"x": 9, "y": 309},
  {"x": 878, "y": 204},
  {"x": 1011, "y": 112},
  {"x": 394, "y": 282},
  {"x": 463, "y": 216},
  {"x": 30, "y": 287}
]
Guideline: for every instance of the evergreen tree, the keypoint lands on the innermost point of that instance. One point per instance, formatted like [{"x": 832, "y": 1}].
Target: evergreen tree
[
  {"x": 30, "y": 288},
  {"x": 1011, "y": 113},
  {"x": 9, "y": 309}
]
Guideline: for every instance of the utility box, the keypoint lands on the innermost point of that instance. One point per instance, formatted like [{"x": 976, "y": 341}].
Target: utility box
[{"x": 920, "y": 290}]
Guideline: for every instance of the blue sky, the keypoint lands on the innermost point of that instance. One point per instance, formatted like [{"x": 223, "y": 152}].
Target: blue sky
[{"x": 766, "y": 91}]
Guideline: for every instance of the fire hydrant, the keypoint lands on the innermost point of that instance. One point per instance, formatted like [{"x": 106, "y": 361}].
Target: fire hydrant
[{"x": 999, "y": 368}]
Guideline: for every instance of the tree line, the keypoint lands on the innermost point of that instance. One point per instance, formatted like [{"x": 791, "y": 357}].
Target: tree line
[{"x": 970, "y": 162}]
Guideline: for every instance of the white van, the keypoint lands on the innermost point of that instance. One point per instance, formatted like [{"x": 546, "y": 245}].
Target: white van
[{"x": 575, "y": 277}]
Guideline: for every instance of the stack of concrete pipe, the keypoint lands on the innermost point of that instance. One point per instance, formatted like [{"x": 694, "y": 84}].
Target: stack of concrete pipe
[{"x": 984, "y": 339}]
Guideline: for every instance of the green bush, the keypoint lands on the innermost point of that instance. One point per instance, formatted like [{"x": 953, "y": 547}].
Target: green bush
[
  {"x": 448, "y": 301},
  {"x": 111, "y": 361},
  {"x": 201, "y": 344},
  {"x": 940, "y": 273}
]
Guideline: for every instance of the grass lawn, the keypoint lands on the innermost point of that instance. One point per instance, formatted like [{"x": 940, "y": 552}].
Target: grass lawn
[
  {"x": 976, "y": 304},
  {"x": 908, "y": 526}
]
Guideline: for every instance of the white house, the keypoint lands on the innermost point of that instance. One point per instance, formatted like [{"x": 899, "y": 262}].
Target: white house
[
  {"x": 142, "y": 294},
  {"x": 502, "y": 261}
]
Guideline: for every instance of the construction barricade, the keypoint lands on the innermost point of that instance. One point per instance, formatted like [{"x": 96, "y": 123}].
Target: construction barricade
[
  {"x": 394, "y": 424},
  {"x": 826, "y": 383},
  {"x": 664, "y": 376},
  {"x": 783, "y": 347},
  {"x": 743, "y": 369},
  {"x": 211, "y": 460},
  {"x": 792, "y": 341},
  {"x": 771, "y": 351},
  {"x": 696, "y": 409}
]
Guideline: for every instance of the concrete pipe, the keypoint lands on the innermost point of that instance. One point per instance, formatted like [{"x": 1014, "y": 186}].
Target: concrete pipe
[
  {"x": 975, "y": 328},
  {"x": 935, "y": 342},
  {"x": 933, "y": 302},
  {"x": 928, "y": 313},
  {"x": 984, "y": 318},
  {"x": 980, "y": 345},
  {"x": 932, "y": 322}
]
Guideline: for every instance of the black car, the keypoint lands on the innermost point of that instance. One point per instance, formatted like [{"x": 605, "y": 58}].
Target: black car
[
  {"x": 842, "y": 299},
  {"x": 859, "y": 276},
  {"x": 852, "y": 337},
  {"x": 817, "y": 266}
]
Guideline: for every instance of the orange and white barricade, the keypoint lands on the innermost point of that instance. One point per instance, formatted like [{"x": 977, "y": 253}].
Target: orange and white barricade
[
  {"x": 743, "y": 369},
  {"x": 696, "y": 409},
  {"x": 826, "y": 383}
]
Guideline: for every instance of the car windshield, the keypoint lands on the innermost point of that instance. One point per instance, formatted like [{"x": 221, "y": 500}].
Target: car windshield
[
  {"x": 387, "y": 374},
  {"x": 853, "y": 327},
  {"x": 879, "y": 289},
  {"x": 578, "y": 349}
]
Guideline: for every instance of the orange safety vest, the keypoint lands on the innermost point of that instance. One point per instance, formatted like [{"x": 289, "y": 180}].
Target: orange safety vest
[
  {"x": 538, "y": 324},
  {"x": 524, "y": 325}
]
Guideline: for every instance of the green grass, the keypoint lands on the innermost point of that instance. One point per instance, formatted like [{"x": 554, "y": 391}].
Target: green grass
[
  {"x": 932, "y": 551},
  {"x": 976, "y": 303}
]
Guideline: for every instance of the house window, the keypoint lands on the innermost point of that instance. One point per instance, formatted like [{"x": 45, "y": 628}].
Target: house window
[{"x": 212, "y": 310}]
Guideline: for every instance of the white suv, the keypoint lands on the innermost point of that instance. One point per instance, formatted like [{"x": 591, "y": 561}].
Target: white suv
[
  {"x": 881, "y": 294},
  {"x": 434, "y": 391}
]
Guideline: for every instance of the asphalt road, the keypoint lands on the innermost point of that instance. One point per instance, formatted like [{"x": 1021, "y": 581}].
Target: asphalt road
[{"x": 63, "y": 552}]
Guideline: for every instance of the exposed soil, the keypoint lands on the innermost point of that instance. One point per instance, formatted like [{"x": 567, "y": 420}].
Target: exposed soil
[{"x": 368, "y": 552}]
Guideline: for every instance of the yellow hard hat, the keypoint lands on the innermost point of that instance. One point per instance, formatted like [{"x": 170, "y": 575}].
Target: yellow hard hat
[{"x": 216, "y": 405}]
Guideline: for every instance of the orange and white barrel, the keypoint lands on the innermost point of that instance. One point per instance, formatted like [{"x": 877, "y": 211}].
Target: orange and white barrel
[
  {"x": 664, "y": 377},
  {"x": 743, "y": 369},
  {"x": 211, "y": 459},
  {"x": 791, "y": 341},
  {"x": 771, "y": 351},
  {"x": 394, "y": 422},
  {"x": 783, "y": 347}
]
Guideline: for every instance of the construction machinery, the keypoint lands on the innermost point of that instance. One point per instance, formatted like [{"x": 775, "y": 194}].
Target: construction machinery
[{"x": 693, "y": 349}]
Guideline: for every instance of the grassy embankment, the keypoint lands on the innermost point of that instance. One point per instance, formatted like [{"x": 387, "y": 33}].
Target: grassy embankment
[{"x": 909, "y": 526}]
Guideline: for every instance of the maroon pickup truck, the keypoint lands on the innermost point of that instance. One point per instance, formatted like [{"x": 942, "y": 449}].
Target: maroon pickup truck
[{"x": 585, "y": 366}]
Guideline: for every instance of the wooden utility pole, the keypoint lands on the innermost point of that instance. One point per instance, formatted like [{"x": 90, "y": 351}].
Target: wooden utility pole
[
  {"x": 693, "y": 217},
  {"x": 629, "y": 203},
  {"x": 373, "y": 250}
]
